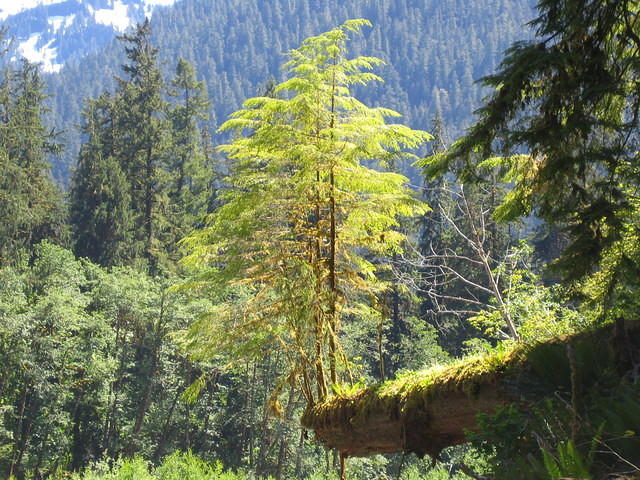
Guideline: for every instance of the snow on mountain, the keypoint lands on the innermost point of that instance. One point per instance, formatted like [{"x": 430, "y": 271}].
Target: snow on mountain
[
  {"x": 11, "y": 7},
  {"x": 52, "y": 32},
  {"x": 58, "y": 22},
  {"x": 117, "y": 16},
  {"x": 44, "y": 54}
]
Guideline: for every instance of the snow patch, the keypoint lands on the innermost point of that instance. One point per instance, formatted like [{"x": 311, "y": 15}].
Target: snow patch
[
  {"x": 11, "y": 7},
  {"x": 44, "y": 55},
  {"x": 61, "y": 22},
  {"x": 150, "y": 5},
  {"x": 161, "y": 3},
  {"x": 117, "y": 16},
  {"x": 39, "y": 46}
]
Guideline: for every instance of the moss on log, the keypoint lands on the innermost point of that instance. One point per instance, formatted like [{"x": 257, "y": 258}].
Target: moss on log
[{"x": 427, "y": 411}]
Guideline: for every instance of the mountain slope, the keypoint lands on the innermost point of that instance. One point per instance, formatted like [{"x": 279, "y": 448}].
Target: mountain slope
[
  {"x": 434, "y": 50},
  {"x": 52, "y": 32}
]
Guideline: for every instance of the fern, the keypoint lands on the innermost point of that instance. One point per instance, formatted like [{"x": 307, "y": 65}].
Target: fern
[{"x": 569, "y": 462}]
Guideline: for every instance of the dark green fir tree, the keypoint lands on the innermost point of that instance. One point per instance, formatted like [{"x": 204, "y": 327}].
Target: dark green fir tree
[
  {"x": 101, "y": 214},
  {"x": 189, "y": 164},
  {"x": 31, "y": 206}
]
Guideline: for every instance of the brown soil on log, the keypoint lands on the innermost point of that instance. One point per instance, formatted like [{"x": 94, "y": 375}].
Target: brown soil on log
[{"x": 426, "y": 412}]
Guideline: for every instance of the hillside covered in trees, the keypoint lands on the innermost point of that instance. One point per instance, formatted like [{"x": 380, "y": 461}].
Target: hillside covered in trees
[
  {"x": 434, "y": 51},
  {"x": 196, "y": 303}
]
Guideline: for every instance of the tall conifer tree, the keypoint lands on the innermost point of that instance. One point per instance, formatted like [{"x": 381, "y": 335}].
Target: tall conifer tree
[
  {"x": 31, "y": 207},
  {"x": 302, "y": 211},
  {"x": 101, "y": 213},
  {"x": 189, "y": 166},
  {"x": 144, "y": 130},
  {"x": 143, "y": 176}
]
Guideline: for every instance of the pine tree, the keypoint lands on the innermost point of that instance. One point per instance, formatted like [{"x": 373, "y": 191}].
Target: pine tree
[
  {"x": 31, "y": 205},
  {"x": 302, "y": 212},
  {"x": 190, "y": 166},
  {"x": 101, "y": 213},
  {"x": 145, "y": 174},
  {"x": 431, "y": 227},
  {"x": 144, "y": 137},
  {"x": 434, "y": 191},
  {"x": 569, "y": 99}
]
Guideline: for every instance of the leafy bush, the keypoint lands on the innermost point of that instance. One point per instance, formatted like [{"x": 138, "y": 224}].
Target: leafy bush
[{"x": 177, "y": 466}]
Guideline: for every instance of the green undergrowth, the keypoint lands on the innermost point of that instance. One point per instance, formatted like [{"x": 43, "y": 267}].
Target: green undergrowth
[{"x": 177, "y": 466}]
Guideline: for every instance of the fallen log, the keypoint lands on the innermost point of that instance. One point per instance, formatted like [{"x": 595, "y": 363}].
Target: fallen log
[{"x": 427, "y": 411}]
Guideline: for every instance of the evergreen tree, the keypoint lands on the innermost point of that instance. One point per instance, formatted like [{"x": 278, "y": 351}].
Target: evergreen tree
[
  {"x": 434, "y": 192},
  {"x": 569, "y": 99},
  {"x": 303, "y": 211},
  {"x": 144, "y": 131},
  {"x": 432, "y": 233},
  {"x": 144, "y": 175},
  {"x": 190, "y": 166},
  {"x": 31, "y": 206},
  {"x": 101, "y": 213}
]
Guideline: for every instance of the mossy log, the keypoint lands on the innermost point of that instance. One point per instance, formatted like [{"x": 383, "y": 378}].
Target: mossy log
[{"x": 428, "y": 411}]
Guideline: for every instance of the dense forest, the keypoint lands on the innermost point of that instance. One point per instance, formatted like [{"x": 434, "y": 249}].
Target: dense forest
[
  {"x": 234, "y": 282},
  {"x": 434, "y": 51}
]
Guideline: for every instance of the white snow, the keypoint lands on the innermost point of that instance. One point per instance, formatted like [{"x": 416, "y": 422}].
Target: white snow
[
  {"x": 162, "y": 3},
  {"x": 59, "y": 22},
  {"x": 11, "y": 7},
  {"x": 44, "y": 54},
  {"x": 108, "y": 16},
  {"x": 117, "y": 16}
]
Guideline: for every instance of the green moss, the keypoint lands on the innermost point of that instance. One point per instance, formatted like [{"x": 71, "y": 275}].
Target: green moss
[
  {"x": 412, "y": 390},
  {"x": 517, "y": 369}
]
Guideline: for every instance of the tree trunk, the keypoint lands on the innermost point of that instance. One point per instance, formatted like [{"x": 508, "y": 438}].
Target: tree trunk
[
  {"x": 333, "y": 290},
  {"x": 143, "y": 406},
  {"x": 282, "y": 451},
  {"x": 15, "y": 460},
  {"x": 165, "y": 428}
]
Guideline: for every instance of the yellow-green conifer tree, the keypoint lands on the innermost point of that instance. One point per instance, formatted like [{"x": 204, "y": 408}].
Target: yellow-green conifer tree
[{"x": 309, "y": 206}]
